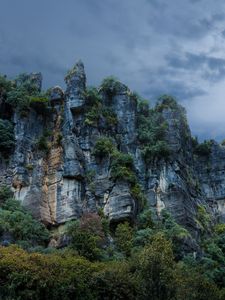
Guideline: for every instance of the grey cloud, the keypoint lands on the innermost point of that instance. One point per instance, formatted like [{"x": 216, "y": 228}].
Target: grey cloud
[
  {"x": 154, "y": 46},
  {"x": 211, "y": 68}
]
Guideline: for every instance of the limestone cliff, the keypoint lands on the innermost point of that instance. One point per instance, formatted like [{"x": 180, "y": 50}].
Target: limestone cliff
[{"x": 66, "y": 178}]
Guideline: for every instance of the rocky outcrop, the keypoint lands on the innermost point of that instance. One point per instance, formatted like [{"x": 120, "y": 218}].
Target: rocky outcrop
[
  {"x": 66, "y": 179},
  {"x": 211, "y": 173},
  {"x": 76, "y": 84},
  {"x": 119, "y": 204}
]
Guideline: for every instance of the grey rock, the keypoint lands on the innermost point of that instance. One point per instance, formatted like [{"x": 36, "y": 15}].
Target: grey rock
[
  {"x": 55, "y": 186},
  {"x": 120, "y": 205},
  {"x": 76, "y": 85},
  {"x": 56, "y": 95}
]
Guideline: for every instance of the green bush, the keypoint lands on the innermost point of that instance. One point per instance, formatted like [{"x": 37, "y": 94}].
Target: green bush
[
  {"x": 203, "y": 220},
  {"x": 41, "y": 277},
  {"x": 92, "y": 96},
  {"x": 155, "y": 265},
  {"x": 165, "y": 102},
  {"x": 5, "y": 85},
  {"x": 124, "y": 238},
  {"x": 25, "y": 95},
  {"x": 18, "y": 98},
  {"x": 144, "y": 219},
  {"x": 43, "y": 144},
  {"x": 138, "y": 195},
  {"x": 143, "y": 108},
  {"x": 92, "y": 117},
  {"x": 110, "y": 117},
  {"x": 7, "y": 140},
  {"x": 39, "y": 103},
  {"x": 110, "y": 85},
  {"x": 159, "y": 150},
  {"x": 5, "y": 194},
  {"x": 203, "y": 149},
  {"x": 115, "y": 281},
  {"x": 151, "y": 134},
  {"x": 87, "y": 236},
  {"x": 17, "y": 222},
  {"x": 103, "y": 147},
  {"x": 122, "y": 167},
  {"x": 175, "y": 233}
]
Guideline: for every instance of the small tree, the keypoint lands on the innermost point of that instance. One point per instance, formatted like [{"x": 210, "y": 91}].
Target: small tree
[
  {"x": 124, "y": 238},
  {"x": 87, "y": 235}
]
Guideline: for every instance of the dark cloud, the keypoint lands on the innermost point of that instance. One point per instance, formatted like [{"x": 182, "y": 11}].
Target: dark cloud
[
  {"x": 210, "y": 68},
  {"x": 154, "y": 46}
]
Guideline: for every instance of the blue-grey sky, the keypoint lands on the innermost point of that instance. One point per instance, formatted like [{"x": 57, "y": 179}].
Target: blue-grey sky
[{"x": 154, "y": 46}]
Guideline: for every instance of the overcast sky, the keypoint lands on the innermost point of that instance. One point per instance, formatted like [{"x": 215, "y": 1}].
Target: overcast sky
[{"x": 154, "y": 46}]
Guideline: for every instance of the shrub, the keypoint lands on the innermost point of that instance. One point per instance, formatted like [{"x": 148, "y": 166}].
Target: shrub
[
  {"x": 5, "y": 194},
  {"x": 203, "y": 149},
  {"x": 87, "y": 236},
  {"x": 219, "y": 228},
  {"x": 26, "y": 83},
  {"x": 122, "y": 167},
  {"x": 42, "y": 144},
  {"x": 124, "y": 238},
  {"x": 137, "y": 193},
  {"x": 165, "y": 102},
  {"x": 143, "y": 108},
  {"x": 110, "y": 117},
  {"x": 191, "y": 284},
  {"x": 92, "y": 96},
  {"x": 5, "y": 85},
  {"x": 151, "y": 134},
  {"x": 103, "y": 147},
  {"x": 110, "y": 85},
  {"x": 176, "y": 233},
  {"x": 115, "y": 281},
  {"x": 155, "y": 266},
  {"x": 92, "y": 117},
  {"x": 39, "y": 103},
  {"x": 122, "y": 159},
  {"x": 19, "y": 98},
  {"x": 144, "y": 219},
  {"x": 7, "y": 140},
  {"x": 25, "y": 95},
  {"x": 39, "y": 276},
  {"x": 17, "y": 222},
  {"x": 159, "y": 150},
  {"x": 203, "y": 219},
  {"x": 143, "y": 237}
]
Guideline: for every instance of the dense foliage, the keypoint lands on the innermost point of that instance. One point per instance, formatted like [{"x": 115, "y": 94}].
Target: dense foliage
[
  {"x": 151, "y": 133},
  {"x": 147, "y": 271},
  {"x": 17, "y": 225},
  {"x": 23, "y": 94},
  {"x": 6, "y": 137},
  {"x": 203, "y": 149},
  {"x": 97, "y": 114},
  {"x": 145, "y": 260}
]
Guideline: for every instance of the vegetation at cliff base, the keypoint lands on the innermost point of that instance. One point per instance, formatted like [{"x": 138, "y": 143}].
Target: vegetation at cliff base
[{"x": 145, "y": 260}]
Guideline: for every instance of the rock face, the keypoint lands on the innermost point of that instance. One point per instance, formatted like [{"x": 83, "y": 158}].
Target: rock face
[
  {"x": 211, "y": 170},
  {"x": 67, "y": 179},
  {"x": 76, "y": 84}
]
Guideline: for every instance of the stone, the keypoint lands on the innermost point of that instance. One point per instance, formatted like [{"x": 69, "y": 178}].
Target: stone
[
  {"x": 55, "y": 186},
  {"x": 56, "y": 95},
  {"x": 120, "y": 205},
  {"x": 76, "y": 85}
]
